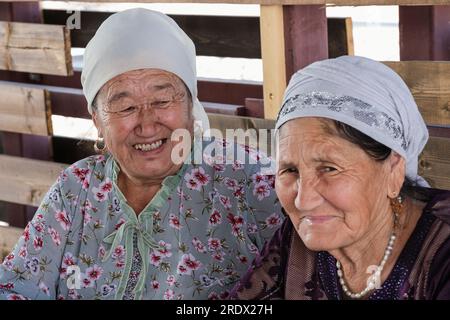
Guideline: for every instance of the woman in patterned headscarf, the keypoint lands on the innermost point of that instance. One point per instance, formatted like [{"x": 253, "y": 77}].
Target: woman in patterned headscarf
[{"x": 363, "y": 224}]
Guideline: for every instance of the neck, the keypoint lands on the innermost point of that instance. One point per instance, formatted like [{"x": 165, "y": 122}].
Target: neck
[
  {"x": 356, "y": 258},
  {"x": 138, "y": 193}
]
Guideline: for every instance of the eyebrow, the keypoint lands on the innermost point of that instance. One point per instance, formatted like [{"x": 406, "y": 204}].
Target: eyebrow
[{"x": 118, "y": 96}]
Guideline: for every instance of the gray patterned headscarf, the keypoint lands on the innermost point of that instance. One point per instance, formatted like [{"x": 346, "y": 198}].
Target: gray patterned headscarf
[{"x": 364, "y": 94}]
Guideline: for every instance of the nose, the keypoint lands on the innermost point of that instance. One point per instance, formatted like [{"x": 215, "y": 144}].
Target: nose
[
  {"x": 307, "y": 197},
  {"x": 148, "y": 120}
]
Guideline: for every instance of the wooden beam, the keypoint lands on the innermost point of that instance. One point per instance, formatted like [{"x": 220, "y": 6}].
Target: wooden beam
[
  {"x": 278, "y": 2},
  {"x": 26, "y": 181},
  {"x": 273, "y": 56},
  {"x": 434, "y": 163},
  {"x": 424, "y": 33},
  {"x": 25, "y": 110},
  {"x": 429, "y": 83},
  {"x": 36, "y": 48}
]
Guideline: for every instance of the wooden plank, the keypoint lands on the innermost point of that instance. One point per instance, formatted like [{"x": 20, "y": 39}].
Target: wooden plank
[
  {"x": 25, "y": 110},
  {"x": 434, "y": 163},
  {"x": 8, "y": 239},
  {"x": 424, "y": 33},
  {"x": 37, "y": 48},
  {"x": 429, "y": 83},
  {"x": 278, "y": 2},
  {"x": 221, "y": 36},
  {"x": 26, "y": 181},
  {"x": 273, "y": 56}
]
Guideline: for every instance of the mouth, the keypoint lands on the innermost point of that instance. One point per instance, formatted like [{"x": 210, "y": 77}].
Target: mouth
[
  {"x": 147, "y": 147},
  {"x": 318, "y": 219}
]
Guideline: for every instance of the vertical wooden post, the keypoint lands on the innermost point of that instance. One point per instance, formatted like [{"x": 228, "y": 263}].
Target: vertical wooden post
[
  {"x": 17, "y": 144},
  {"x": 273, "y": 57},
  {"x": 291, "y": 38},
  {"x": 424, "y": 32}
]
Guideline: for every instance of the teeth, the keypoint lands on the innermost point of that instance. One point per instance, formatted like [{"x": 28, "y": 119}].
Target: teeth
[{"x": 148, "y": 147}]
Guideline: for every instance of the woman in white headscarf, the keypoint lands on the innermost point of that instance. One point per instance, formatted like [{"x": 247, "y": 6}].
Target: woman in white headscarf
[
  {"x": 133, "y": 223},
  {"x": 362, "y": 223}
]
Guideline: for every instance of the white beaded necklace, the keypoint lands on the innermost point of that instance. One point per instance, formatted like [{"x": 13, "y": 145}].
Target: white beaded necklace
[{"x": 374, "y": 278}]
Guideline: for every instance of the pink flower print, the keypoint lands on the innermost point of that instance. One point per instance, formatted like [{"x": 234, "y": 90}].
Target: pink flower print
[
  {"x": 174, "y": 222},
  {"x": 38, "y": 226},
  {"x": 225, "y": 201},
  {"x": 243, "y": 259},
  {"x": 87, "y": 282},
  {"x": 235, "y": 221},
  {"x": 214, "y": 244},
  {"x": 55, "y": 236},
  {"x": 215, "y": 218},
  {"x": 171, "y": 280},
  {"x": 219, "y": 256},
  {"x": 101, "y": 251},
  {"x": 169, "y": 294},
  {"x": 94, "y": 273},
  {"x": 261, "y": 190},
  {"x": 200, "y": 175},
  {"x": 26, "y": 233},
  {"x": 198, "y": 245},
  {"x": 182, "y": 269},
  {"x": 118, "y": 252},
  {"x": 7, "y": 286},
  {"x": 119, "y": 223},
  {"x": 106, "y": 186},
  {"x": 99, "y": 195},
  {"x": 120, "y": 263},
  {"x": 23, "y": 252},
  {"x": 224, "y": 295},
  {"x": 274, "y": 220},
  {"x": 43, "y": 287},
  {"x": 213, "y": 296},
  {"x": 80, "y": 174},
  {"x": 231, "y": 184},
  {"x": 63, "y": 219},
  {"x": 68, "y": 260},
  {"x": 155, "y": 258},
  {"x": 237, "y": 165},
  {"x": 38, "y": 243},
  {"x": 155, "y": 284},
  {"x": 15, "y": 296},
  {"x": 165, "y": 249},
  {"x": 257, "y": 178},
  {"x": 192, "y": 183},
  {"x": 190, "y": 262}
]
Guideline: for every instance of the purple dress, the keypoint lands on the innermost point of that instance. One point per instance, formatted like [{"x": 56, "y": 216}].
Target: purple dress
[{"x": 286, "y": 269}]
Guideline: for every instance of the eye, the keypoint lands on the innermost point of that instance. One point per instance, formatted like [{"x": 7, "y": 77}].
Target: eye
[
  {"x": 291, "y": 170},
  {"x": 161, "y": 103},
  {"x": 327, "y": 169}
]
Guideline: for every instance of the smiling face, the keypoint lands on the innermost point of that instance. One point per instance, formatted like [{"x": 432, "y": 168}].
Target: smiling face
[
  {"x": 136, "y": 113},
  {"x": 334, "y": 193}
]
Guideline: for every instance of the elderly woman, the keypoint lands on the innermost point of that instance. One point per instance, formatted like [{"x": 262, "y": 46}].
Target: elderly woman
[
  {"x": 363, "y": 224},
  {"x": 132, "y": 223}
]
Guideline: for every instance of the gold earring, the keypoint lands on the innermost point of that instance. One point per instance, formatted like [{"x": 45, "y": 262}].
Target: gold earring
[
  {"x": 397, "y": 208},
  {"x": 99, "y": 145}
]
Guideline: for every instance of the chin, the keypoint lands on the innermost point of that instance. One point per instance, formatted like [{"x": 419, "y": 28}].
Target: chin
[{"x": 317, "y": 242}]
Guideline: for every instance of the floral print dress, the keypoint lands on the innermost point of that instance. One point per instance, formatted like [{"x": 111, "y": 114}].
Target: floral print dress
[{"x": 193, "y": 240}]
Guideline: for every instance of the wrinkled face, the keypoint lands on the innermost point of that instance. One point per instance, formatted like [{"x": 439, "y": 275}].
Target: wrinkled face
[
  {"x": 334, "y": 193},
  {"x": 136, "y": 114}
]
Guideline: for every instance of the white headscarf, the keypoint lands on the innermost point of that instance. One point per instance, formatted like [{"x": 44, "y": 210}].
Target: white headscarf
[
  {"x": 364, "y": 94},
  {"x": 139, "y": 39}
]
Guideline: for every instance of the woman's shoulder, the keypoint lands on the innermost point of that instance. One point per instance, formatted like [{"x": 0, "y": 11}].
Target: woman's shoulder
[
  {"x": 439, "y": 204},
  {"x": 82, "y": 170}
]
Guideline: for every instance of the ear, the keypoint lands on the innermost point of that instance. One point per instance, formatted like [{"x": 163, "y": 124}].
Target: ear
[
  {"x": 396, "y": 167},
  {"x": 97, "y": 123}
]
